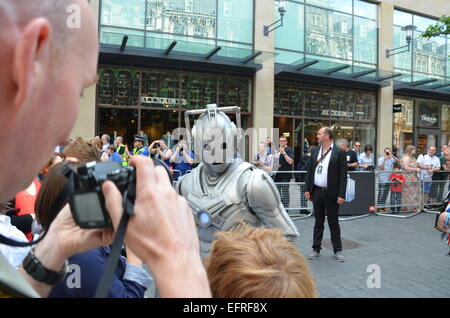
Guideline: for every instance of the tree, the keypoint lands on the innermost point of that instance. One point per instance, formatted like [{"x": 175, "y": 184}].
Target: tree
[{"x": 442, "y": 27}]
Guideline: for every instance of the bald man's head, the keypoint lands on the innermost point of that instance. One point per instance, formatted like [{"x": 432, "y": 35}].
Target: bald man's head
[
  {"x": 17, "y": 13},
  {"x": 45, "y": 67}
]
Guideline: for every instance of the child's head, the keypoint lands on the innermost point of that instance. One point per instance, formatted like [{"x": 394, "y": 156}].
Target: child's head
[{"x": 397, "y": 166}]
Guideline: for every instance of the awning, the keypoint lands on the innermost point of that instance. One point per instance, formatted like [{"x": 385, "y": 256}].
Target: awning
[
  {"x": 179, "y": 53},
  {"x": 347, "y": 73},
  {"x": 424, "y": 85}
]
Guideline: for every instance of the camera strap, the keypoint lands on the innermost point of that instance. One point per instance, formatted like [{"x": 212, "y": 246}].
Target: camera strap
[{"x": 116, "y": 248}]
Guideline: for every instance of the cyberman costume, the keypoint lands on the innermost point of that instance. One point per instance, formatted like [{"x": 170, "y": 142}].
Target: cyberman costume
[{"x": 228, "y": 190}]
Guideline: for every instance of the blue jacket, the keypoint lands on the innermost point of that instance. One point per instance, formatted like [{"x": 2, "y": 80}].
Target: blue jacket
[
  {"x": 115, "y": 157},
  {"x": 182, "y": 165},
  {"x": 128, "y": 281}
]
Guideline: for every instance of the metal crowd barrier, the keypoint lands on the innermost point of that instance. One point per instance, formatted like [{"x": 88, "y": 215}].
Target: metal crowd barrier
[
  {"x": 415, "y": 196},
  {"x": 173, "y": 175},
  {"x": 291, "y": 186},
  {"x": 389, "y": 201},
  {"x": 179, "y": 174},
  {"x": 435, "y": 193}
]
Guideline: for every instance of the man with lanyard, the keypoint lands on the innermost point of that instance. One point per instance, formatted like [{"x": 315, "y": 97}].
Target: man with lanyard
[
  {"x": 139, "y": 148},
  {"x": 325, "y": 185}
]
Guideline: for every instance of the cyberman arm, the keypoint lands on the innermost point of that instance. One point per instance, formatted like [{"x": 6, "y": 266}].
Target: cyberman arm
[{"x": 264, "y": 199}]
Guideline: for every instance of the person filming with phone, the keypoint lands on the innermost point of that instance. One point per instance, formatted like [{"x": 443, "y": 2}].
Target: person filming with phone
[{"x": 183, "y": 159}]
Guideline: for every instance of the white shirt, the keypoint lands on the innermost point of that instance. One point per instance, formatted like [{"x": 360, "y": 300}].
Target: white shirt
[
  {"x": 105, "y": 148},
  {"x": 321, "y": 180},
  {"x": 14, "y": 255},
  {"x": 427, "y": 160}
]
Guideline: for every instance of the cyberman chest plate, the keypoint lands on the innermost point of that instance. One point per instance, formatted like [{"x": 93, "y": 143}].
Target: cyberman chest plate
[{"x": 224, "y": 198}]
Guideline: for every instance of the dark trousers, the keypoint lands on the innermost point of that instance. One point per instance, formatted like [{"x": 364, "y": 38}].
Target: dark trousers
[
  {"x": 284, "y": 188},
  {"x": 383, "y": 191},
  {"x": 396, "y": 201},
  {"x": 322, "y": 202}
]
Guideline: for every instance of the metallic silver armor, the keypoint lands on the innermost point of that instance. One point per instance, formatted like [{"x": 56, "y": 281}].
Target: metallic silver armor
[{"x": 228, "y": 190}]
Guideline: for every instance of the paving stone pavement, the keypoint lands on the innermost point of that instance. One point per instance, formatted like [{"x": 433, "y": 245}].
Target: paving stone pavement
[{"x": 409, "y": 254}]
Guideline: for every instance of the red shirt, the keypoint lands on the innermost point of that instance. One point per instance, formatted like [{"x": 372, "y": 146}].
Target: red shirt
[
  {"x": 25, "y": 202},
  {"x": 396, "y": 186}
]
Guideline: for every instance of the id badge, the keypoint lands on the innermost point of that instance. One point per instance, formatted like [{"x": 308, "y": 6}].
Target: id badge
[{"x": 319, "y": 169}]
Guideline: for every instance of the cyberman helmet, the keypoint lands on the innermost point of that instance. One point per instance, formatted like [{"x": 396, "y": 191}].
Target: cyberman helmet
[{"x": 215, "y": 137}]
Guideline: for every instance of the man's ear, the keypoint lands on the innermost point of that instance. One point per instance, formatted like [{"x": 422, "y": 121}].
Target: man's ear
[{"x": 32, "y": 48}]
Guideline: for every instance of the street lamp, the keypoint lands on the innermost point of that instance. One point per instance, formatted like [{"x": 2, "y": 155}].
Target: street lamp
[
  {"x": 282, "y": 11},
  {"x": 409, "y": 31}
]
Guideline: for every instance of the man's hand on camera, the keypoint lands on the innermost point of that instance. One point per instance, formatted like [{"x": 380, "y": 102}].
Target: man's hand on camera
[
  {"x": 64, "y": 239},
  {"x": 161, "y": 232}
]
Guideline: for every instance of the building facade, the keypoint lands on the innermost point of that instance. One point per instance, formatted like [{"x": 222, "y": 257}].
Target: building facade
[{"x": 326, "y": 66}]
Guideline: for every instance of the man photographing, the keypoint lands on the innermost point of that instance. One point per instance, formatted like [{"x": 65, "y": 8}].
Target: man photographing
[
  {"x": 325, "y": 184},
  {"x": 38, "y": 51}
]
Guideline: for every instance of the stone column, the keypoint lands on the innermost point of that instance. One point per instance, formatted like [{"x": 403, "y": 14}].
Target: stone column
[
  {"x": 85, "y": 124},
  {"x": 385, "y": 94},
  {"x": 263, "y": 87}
]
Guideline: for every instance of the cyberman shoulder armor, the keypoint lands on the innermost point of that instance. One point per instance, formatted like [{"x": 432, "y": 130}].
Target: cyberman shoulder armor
[{"x": 264, "y": 199}]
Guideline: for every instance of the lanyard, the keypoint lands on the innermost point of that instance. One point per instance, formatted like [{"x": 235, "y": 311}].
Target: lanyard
[{"x": 323, "y": 155}]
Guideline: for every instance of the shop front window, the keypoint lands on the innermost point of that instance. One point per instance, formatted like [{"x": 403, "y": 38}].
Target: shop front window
[
  {"x": 343, "y": 130},
  {"x": 317, "y": 103},
  {"x": 365, "y": 106},
  {"x": 429, "y": 113},
  {"x": 122, "y": 121},
  {"x": 118, "y": 87},
  {"x": 403, "y": 125},
  {"x": 159, "y": 124},
  {"x": 198, "y": 91},
  {"x": 311, "y": 128},
  {"x": 160, "y": 89},
  {"x": 288, "y": 100},
  {"x": 155, "y": 99},
  {"x": 234, "y": 92},
  {"x": 342, "y": 104},
  {"x": 445, "y": 126},
  {"x": 365, "y": 133}
]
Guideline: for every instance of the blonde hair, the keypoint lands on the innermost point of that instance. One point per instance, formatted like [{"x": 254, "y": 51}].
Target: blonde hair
[
  {"x": 250, "y": 262},
  {"x": 409, "y": 149}
]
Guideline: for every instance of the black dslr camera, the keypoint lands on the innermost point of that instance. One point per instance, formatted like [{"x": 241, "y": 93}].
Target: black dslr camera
[{"x": 86, "y": 199}]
